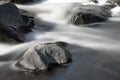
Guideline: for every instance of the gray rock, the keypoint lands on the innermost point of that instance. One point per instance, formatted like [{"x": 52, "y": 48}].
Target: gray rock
[
  {"x": 12, "y": 24},
  {"x": 44, "y": 57},
  {"x": 85, "y": 14},
  {"x": 114, "y": 2}
]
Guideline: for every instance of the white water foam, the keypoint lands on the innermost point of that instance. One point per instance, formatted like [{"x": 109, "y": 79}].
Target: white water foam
[{"x": 54, "y": 12}]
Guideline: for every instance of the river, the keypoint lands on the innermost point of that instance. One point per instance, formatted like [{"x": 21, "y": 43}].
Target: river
[{"x": 95, "y": 47}]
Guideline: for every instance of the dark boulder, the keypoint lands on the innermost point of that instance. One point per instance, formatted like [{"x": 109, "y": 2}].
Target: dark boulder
[
  {"x": 44, "y": 57},
  {"x": 95, "y": 1},
  {"x": 22, "y": 1},
  {"x": 12, "y": 25},
  {"x": 85, "y": 14},
  {"x": 28, "y": 19}
]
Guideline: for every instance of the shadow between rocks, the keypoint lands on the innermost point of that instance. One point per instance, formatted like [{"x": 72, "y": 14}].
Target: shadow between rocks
[{"x": 44, "y": 26}]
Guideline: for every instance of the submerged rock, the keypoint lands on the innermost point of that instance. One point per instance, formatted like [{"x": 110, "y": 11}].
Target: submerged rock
[
  {"x": 85, "y": 14},
  {"x": 12, "y": 25},
  {"x": 44, "y": 57}
]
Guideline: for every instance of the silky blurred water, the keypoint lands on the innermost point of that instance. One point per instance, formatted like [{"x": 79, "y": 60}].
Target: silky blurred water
[
  {"x": 52, "y": 25},
  {"x": 95, "y": 47}
]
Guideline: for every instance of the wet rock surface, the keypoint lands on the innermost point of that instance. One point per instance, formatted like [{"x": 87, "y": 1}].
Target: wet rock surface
[
  {"x": 85, "y": 14},
  {"x": 95, "y": 1},
  {"x": 116, "y": 2},
  {"x": 28, "y": 20},
  {"x": 12, "y": 25},
  {"x": 44, "y": 57},
  {"x": 22, "y": 1}
]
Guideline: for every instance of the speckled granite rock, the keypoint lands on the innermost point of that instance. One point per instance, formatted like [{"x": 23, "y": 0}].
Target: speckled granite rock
[{"x": 44, "y": 57}]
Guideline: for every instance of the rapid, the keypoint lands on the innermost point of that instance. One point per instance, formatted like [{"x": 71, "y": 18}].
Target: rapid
[{"x": 95, "y": 47}]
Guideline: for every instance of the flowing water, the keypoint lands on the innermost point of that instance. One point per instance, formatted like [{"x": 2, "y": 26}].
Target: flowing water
[{"x": 94, "y": 47}]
